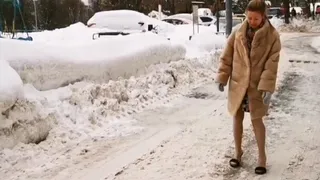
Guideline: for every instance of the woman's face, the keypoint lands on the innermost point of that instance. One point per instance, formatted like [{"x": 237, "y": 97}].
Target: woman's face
[{"x": 254, "y": 19}]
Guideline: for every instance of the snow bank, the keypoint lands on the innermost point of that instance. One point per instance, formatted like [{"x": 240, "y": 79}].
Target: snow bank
[
  {"x": 84, "y": 110},
  {"x": 276, "y": 22},
  {"x": 52, "y": 66},
  {"x": 316, "y": 43},
  {"x": 67, "y": 111},
  {"x": 11, "y": 87},
  {"x": 71, "y": 35},
  {"x": 296, "y": 25},
  {"x": 206, "y": 41}
]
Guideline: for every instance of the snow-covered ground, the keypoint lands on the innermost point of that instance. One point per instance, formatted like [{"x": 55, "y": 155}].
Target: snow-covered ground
[
  {"x": 316, "y": 44},
  {"x": 297, "y": 25},
  {"x": 78, "y": 89},
  {"x": 99, "y": 105}
]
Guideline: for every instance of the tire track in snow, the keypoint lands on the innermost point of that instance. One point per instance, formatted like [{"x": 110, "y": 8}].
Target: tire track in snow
[
  {"x": 163, "y": 123},
  {"x": 194, "y": 153}
]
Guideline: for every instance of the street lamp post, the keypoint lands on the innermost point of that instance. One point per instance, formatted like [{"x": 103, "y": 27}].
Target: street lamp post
[
  {"x": 35, "y": 14},
  {"x": 228, "y": 17}
]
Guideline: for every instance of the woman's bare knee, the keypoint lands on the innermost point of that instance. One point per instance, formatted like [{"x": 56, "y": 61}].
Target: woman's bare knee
[{"x": 257, "y": 123}]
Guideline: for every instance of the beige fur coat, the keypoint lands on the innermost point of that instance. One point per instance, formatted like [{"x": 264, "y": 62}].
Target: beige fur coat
[{"x": 250, "y": 73}]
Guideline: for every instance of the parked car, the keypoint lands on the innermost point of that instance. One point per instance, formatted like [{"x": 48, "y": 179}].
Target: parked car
[
  {"x": 185, "y": 18},
  {"x": 207, "y": 20},
  {"x": 275, "y": 12},
  {"x": 223, "y": 22},
  {"x": 181, "y": 15},
  {"x": 235, "y": 21},
  {"x": 318, "y": 9},
  {"x": 177, "y": 21},
  {"x": 126, "y": 20},
  {"x": 243, "y": 16}
]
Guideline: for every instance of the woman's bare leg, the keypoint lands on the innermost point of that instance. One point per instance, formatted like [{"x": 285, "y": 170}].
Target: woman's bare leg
[
  {"x": 260, "y": 134},
  {"x": 237, "y": 133}
]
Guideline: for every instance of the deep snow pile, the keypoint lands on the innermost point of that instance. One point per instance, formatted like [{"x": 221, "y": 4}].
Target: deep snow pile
[
  {"x": 84, "y": 110},
  {"x": 119, "y": 75},
  {"x": 123, "y": 75},
  {"x": 52, "y": 66},
  {"x": 72, "y": 35},
  {"x": 84, "y": 113}
]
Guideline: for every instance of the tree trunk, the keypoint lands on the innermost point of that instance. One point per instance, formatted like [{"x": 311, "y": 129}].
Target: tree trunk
[
  {"x": 286, "y": 11},
  {"x": 313, "y": 9}
]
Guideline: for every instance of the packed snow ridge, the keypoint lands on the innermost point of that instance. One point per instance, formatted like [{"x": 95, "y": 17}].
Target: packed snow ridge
[{"x": 97, "y": 61}]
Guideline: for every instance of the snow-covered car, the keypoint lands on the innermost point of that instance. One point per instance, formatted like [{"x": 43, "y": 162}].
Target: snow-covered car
[
  {"x": 207, "y": 20},
  {"x": 182, "y": 15},
  {"x": 243, "y": 16},
  {"x": 185, "y": 18},
  {"x": 177, "y": 21},
  {"x": 126, "y": 20},
  {"x": 205, "y": 12}
]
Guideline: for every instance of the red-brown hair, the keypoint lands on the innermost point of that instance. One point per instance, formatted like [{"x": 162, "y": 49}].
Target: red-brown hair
[{"x": 257, "y": 6}]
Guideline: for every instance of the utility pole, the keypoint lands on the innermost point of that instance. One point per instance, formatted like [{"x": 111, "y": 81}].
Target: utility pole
[
  {"x": 217, "y": 9},
  {"x": 286, "y": 11},
  {"x": 228, "y": 17},
  {"x": 35, "y": 14}
]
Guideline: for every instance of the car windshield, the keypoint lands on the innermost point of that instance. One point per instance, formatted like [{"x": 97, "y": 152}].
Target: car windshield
[
  {"x": 205, "y": 19},
  {"x": 234, "y": 21},
  {"x": 273, "y": 11}
]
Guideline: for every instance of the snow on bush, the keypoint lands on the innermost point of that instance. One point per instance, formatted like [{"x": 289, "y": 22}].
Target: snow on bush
[
  {"x": 11, "y": 87},
  {"x": 49, "y": 67}
]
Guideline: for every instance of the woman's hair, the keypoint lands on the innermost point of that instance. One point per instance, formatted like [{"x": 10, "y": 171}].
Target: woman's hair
[{"x": 257, "y": 6}]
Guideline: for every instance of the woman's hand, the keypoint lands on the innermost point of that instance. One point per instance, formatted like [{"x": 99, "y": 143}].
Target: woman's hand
[{"x": 266, "y": 96}]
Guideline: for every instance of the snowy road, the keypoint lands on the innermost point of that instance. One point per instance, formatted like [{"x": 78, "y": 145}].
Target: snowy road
[
  {"x": 194, "y": 139},
  {"x": 299, "y": 47}
]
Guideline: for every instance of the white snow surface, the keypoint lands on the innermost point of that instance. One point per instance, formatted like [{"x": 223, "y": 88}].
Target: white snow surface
[
  {"x": 76, "y": 87},
  {"x": 296, "y": 25},
  {"x": 77, "y": 90},
  {"x": 316, "y": 44},
  {"x": 129, "y": 21},
  {"x": 11, "y": 87},
  {"x": 49, "y": 66}
]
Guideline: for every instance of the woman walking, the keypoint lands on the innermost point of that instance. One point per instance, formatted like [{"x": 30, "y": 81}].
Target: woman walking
[{"x": 250, "y": 64}]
